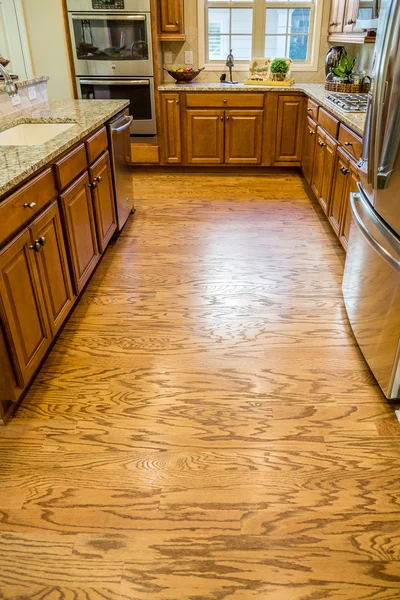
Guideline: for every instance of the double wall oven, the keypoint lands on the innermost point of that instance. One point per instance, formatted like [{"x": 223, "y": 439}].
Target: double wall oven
[{"x": 112, "y": 49}]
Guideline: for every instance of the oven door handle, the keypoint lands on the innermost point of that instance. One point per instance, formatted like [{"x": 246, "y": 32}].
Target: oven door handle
[
  {"x": 107, "y": 17},
  {"x": 120, "y": 82},
  {"x": 123, "y": 127}
]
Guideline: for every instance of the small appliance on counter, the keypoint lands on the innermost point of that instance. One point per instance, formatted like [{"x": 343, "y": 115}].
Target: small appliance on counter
[{"x": 371, "y": 284}]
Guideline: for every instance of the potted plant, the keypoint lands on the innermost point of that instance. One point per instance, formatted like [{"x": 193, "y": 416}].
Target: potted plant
[
  {"x": 279, "y": 68},
  {"x": 344, "y": 69}
]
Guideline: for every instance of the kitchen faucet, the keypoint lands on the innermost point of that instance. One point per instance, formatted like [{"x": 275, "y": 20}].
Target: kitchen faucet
[{"x": 10, "y": 86}]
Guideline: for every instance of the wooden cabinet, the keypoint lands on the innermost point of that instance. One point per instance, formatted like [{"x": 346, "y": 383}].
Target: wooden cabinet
[
  {"x": 336, "y": 18},
  {"x": 289, "y": 129},
  {"x": 80, "y": 227},
  {"x": 243, "y": 137},
  {"x": 22, "y": 306},
  {"x": 325, "y": 152},
  {"x": 310, "y": 139},
  {"x": 171, "y": 121},
  {"x": 103, "y": 200},
  {"x": 342, "y": 22},
  {"x": 171, "y": 20},
  {"x": 51, "y": 259},
  {"x": 205, "y": 136}
]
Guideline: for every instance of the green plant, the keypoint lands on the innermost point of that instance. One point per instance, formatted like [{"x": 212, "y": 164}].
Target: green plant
[
  {"x": 345, "y": 67},
  {"x": 279, "y": 65}
]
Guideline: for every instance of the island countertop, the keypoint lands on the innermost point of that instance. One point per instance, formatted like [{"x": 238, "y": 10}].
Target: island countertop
[
  {"x": 315, "y": 91},
  {"x": 19, "y": 162}
]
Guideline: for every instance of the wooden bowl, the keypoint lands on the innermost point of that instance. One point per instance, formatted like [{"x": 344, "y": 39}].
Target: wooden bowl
[{"x": 184, "y": 76}]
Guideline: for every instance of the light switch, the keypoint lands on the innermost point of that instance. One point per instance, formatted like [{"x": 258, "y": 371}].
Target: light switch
[
  {"x": 168, "y": 58},
  {"x": 32, "y": 93},
  {"x": 188, "y": 57},
  {"x": 16, "y": 100}
]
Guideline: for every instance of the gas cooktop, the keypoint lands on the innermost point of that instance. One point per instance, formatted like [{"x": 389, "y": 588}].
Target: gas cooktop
[{"x": 349, "y": 102}]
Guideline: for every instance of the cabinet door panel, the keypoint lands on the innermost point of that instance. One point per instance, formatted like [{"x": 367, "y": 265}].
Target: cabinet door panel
[
  {"x": 340, "y": 187},
  {"x": 23, "y": 312},
  {"x": 289, "y": 129},
  {"x": 243, "y": 137},
  {"x": 53, "y": 267},
  {"x": 309, "y": 149},
  {"x": 319, "y": 160},
  {"x": 345, "y": 221},
  {"x": 77, "y": 209},
  {"x": 205, "y": 136},
  {"x": 329, "y": 169},
  {"x": 170, "y": 106},
  {"x": 171, "y": 15},
  {"x": 336, "y": 19},
  {"x": 103, "y": 201}
]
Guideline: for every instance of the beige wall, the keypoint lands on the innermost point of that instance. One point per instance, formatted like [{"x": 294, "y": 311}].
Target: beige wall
[
  {"x": 48, "y": 45},
  {"x": 192, "y": 43}
]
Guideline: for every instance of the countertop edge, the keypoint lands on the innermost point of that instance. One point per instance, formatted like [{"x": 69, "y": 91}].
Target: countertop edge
[{"x": 25, "y": 174}]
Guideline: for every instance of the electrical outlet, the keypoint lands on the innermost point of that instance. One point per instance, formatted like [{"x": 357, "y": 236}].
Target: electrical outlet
[
  {"x": 168, "y": 58},
  {"x": 188, "y": 57},
  {"x": 32, "y": 93},
  {"x": 16, "y": 100}
]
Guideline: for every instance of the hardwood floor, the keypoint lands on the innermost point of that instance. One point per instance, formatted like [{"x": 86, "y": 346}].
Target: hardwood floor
[{"x": 205, "y": 426}]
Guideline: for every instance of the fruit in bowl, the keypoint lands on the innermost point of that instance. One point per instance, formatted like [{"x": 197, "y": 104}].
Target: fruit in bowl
[{"x": 184, "y": 74}]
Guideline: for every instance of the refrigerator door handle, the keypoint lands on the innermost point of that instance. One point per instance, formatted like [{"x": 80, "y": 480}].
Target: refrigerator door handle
[{"x": 357, "y": 203}]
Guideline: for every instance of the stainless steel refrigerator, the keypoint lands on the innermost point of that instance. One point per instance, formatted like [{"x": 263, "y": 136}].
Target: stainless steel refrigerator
[{"x": 371, "y": 285}]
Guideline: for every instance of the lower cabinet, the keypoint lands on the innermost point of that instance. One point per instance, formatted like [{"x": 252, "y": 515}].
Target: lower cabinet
[
  {"x": 103, "y": 200},
  {"x": 309, "y": 150},
  {"x": 289, "y": 129},
  {"x": 35, "y": 291},
  {"x": 171, "y": 120},
  {"x": 345, "y": 182},
  {"x": 51, "y": 260},
  {"x": 76, "y": 202},
  {"x": 205, "y": 136},
  {"x": 324, "y": 162},
  {"x": 243, "y": 137}
]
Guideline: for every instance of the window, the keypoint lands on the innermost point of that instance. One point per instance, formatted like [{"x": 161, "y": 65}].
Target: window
[{"x": 264, "y": 28}]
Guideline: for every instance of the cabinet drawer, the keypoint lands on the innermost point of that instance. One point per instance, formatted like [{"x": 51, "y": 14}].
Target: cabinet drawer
[
  {"x": 328, "y": 122},
  {"x": 96, "y": 144},
  {"x": 23, "y": 204},
  {"x": 70, "y": 166},
  {"x": 351, "y": 142},
  {"x": 228, "y": 100},
  {"x": 312, "y": 109}
]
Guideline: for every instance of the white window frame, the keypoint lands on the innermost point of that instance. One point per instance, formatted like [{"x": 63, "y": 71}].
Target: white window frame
[{"x": 259, "y": 16}]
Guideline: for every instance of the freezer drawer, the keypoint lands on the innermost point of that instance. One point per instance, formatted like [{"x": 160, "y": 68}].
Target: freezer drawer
[{"x": 371, "y": 290}]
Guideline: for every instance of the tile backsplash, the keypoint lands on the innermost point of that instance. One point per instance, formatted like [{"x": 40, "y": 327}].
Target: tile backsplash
[
  {"x": 39, "y": 84},
  {"x": 178, "y": 49}
]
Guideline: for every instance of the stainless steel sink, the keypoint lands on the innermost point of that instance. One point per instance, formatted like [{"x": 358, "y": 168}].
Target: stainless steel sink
[{"x": 32, "y": 134}]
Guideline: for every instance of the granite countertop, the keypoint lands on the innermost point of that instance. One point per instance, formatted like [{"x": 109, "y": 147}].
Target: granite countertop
[
  {"x": 315, "y": 91},
  {"x": 19, "y": 162}
]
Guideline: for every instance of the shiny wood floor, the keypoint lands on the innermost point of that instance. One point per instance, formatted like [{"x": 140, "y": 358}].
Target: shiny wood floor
[{"x": 206, "y": 427}]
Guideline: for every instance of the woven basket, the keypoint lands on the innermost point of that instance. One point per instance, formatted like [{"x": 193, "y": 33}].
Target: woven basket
[{"x": 347, "y": 88}]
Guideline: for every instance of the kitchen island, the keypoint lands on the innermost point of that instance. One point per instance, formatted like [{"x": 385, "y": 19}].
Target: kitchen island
[{"x": 57, "y": 216}]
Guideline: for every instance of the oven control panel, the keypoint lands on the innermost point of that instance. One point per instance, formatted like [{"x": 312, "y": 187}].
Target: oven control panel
[{"x": 108, "y": 4}]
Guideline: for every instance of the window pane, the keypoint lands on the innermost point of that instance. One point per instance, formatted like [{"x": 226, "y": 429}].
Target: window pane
[
  {"x": 242, "y": 20},
  {"x": 276, "y": 20},
  {"x": 241, "y": 46},
  {"x": 218, "y": 20},
  {"x": 218, "y": 47},
  {"x": 299, "y": 20},
  {"x": 275, "y": 46},
  {"x": 298, "y": 47}
]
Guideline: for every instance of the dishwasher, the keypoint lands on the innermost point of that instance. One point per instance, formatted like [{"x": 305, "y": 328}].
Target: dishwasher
[{"x": 119, "y": 140}]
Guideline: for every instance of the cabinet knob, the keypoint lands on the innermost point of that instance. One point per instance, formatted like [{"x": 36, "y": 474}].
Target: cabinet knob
[
  {"x": 30, "y": 205},
  {"x": 93, "y": 185},
  {"x": 332, "y": 24},
  {"x": 222, "y": 118},
  {"x": 225, "y": 101},
  {"x": 348, "y": 143},
  {"x": 99, "y": 179},
  {"x": 344, "y": 170},
  {"x": 36, "y": 246},
  {"x": 309, "y": 109},
  {"x": 350, "y": 22},
  {"x": 311, "y": 132},
  {"x": 42, "y": 240},
  {"x": 227, "y": 118},
  {"x": 322, "y": 144},
  {"x": 176, "y": 23},
  {"x": 176, "y": 101}
]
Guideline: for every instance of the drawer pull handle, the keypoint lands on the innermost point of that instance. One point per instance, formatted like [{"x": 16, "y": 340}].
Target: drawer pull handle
[
  {"x": 311, "y": 132},
  {"x": 36, "y": 246},
  {"x": 350, "y": 22},
  {"x": 30, "y": 205},
  {"x": 99, "y": 179},
  {"x": 322, "y": 144},
  {"x": 332, "y": 24},
  {"x": 348, "y": 143},
  {"x": 309, "y": 109}
]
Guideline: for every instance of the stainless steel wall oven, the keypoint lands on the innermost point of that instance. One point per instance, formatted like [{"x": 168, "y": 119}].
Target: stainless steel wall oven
[{"x": 112, "y": 50}]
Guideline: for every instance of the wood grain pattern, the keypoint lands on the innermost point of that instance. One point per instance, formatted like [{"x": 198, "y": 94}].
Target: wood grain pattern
[{"x": 205, "y": 427}]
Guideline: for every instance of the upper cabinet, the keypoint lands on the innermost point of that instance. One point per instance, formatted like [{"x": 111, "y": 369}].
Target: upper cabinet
[
  {"x": 171, "y": 25},
  {"x": 343, "y": 18}
]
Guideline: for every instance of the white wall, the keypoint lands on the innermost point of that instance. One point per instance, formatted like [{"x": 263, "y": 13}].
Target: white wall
[{"x": 48, "y": 45}]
